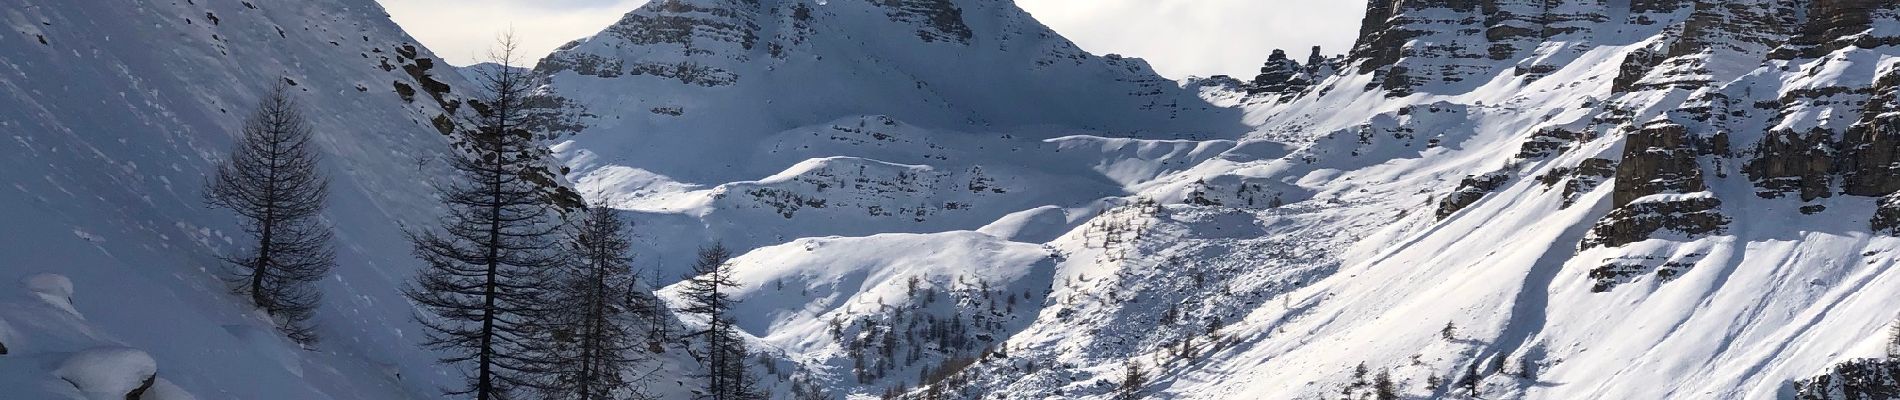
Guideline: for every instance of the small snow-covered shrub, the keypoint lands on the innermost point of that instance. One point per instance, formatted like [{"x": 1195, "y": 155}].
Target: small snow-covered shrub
[{"x": 54, "y": 289}]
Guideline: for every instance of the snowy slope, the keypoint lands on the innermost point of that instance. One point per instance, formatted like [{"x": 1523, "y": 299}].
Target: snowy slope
[
  {"x": 1540, "y": 199},
  {"x": 758, "y": 122},
  {"x": 114, "y": 111},
  {"x": 1603, "y": 199},
  {"x": 1557, "y": 285}
]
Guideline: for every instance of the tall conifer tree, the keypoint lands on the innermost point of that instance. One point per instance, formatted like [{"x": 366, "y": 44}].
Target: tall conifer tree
[
  {"x": 272, "y": 181},
  {"x": 490, "y": 265},
  {"x": 708, "y": 293},
  {"x": 596, "y": 310}
]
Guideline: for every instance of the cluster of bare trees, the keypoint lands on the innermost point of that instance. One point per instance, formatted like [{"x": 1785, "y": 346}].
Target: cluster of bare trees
[
  {"x": 528, "y": 321},
  {"x": 724, "y": 353},
  {"x": 528, "y": 298},
  {"x": 532, "y": 299}
]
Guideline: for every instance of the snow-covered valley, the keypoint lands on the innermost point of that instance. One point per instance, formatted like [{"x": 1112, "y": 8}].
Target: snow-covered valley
[{"x": 1539, "y": 199}]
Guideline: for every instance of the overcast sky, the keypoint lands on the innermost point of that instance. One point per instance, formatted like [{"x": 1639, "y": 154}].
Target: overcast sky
[{"x": 1180, "y": 37}]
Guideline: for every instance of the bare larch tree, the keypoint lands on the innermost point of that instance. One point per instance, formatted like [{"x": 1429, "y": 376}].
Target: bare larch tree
[
  {"x": 272, "y": 181},
  {"x": 595, "y": 317},
  {"x": 707, "y": 293},
  {"x": 490, "y": 267}
]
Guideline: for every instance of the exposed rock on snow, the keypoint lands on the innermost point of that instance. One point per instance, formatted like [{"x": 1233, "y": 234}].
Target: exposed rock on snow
[
  {"x": 1886, "y": 219},
  {"x": 1794, "y": 162},
  {"x": 1659, "y": 159},
  {"x": 1280, "y": 75},
  {"x": 1863, "y": 379},
  {"x": 1470, "y": 190},
  {"x": 1833, "y": 25},
  {"x": 1871, "y": 147},
  {"x": 1585, "y": 177},
  {"x": 1548, "y": 142},
  {"x": 1692, "y": 216}
]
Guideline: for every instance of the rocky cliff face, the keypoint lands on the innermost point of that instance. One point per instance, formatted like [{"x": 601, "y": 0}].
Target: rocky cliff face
[
  {"x": 1711, "y": 111},
  {"x": 1826, "y": 120},
  {"x": 1832, "y": 25},
  {"x": 935, "y": 20},
  {"x": 1663, "y": 145}
]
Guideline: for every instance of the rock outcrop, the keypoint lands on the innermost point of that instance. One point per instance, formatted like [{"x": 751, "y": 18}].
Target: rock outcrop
[
  {"x": 1583, "y": 178},
  {"x": 1864, "y": 379},
  {"x": 1470, "y": 190},
  {"x": 1413, "y": 44},
  {"x": 1695, "y": 49},
  {"x": 1548, "y": 141},
  {"x": 1793, "y": 162},
  {"x": 1609, "y": 276},
  {"x": 936, "y": 20},
  {"x": 1659, "y": 186},
  {"x": 1870, "y": 148},
  {"x": 1886, "y": 220},
  {"x": 1281, "y": 75},
  {"x": 1836, "y": 24},
  {"x": 1691, "y": 216},
  {"x": 1660, "y": 158}
]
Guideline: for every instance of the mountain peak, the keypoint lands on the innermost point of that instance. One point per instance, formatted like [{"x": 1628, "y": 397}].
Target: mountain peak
[{"x": 959, "y": 64}]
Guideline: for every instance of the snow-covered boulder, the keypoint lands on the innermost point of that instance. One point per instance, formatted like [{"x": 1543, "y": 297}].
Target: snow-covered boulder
[{"x": 109, "y": 373}]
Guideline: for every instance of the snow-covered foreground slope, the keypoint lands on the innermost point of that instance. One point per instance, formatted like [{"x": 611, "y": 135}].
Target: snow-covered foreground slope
[{"x": 113, "y": 112}]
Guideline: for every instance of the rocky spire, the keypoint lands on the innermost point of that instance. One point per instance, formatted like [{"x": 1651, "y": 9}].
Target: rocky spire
[
  {"x": 1280, "y": 75},
  {"x": 1317, "y": 65}
]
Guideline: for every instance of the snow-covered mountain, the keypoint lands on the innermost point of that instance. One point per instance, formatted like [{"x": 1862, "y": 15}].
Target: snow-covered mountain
[
  {"x": 759, "y": 122},
  {"x": 1535, "y": 199},
  {"x": 944, "y": 198}
]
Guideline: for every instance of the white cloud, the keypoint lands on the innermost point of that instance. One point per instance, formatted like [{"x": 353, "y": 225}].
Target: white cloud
[
  {"x": 1180, "y": 37},
  {"x": 1203, "y": 37}
]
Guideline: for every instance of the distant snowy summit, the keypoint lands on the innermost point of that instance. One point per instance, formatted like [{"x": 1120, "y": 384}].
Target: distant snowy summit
[{"x": 679, "y": 65}]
